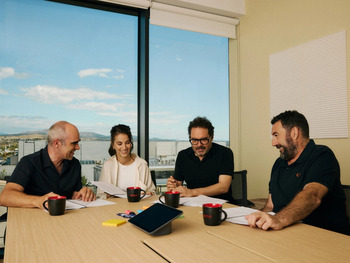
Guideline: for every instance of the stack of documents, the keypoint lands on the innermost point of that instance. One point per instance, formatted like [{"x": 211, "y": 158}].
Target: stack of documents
[
  {"x": 110, "y": 189},
  {"x": 77, "y": 204},
  {"x": 236, "y": 214}
]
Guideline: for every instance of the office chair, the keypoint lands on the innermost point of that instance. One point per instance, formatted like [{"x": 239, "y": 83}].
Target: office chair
[
  {"x": 3, "y": 218},
  {"x": 346, "y": 189},
  {"x": 153, "y": 176},
  {"x": 239, "y": 189}
]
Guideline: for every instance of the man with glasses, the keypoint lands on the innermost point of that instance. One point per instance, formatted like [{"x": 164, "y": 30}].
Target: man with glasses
[
  {"x": 49, "y": 172},
  {"x": 206, "y": 167}
]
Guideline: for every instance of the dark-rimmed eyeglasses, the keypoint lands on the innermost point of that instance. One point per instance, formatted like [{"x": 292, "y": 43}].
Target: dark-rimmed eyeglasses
[{"x": 203, "y": 141}]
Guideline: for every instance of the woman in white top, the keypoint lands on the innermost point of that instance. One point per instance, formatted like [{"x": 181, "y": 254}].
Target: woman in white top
[{"x": 124, "y": 168}]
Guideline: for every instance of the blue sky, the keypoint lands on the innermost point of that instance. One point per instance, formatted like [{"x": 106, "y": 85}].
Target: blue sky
[{"x": 64, "y": 62}]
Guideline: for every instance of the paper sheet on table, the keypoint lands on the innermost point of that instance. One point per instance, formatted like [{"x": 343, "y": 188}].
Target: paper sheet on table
[
  {"x": 112, "y": 189},
  {"x": 77, "y": 204},
  {"x": 198, "y": 200},
  {"x": 181, "y": 202},
  {"x": 236, "y": 214}
]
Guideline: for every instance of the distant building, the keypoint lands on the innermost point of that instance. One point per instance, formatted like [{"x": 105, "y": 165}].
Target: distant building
[
  {"x": 26, "y": 147},
  {"x": 97, "y": 172},
  {"x": 93, "y": 153},
  {"x": 12, "y": 160}
]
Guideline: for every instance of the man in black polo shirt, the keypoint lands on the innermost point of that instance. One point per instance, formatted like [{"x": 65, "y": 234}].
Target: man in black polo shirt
[
  {"x": 49, "y": 172},
  {"x": 305, "y": 181},
  {"x": 206, "y": 167}
]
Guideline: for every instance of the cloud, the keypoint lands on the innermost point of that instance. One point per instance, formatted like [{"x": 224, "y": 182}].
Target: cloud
[
  {"x": 102, "y": 72},
  {"x": 96, "y": 106},
  {"x": 51, "y": 95},
  {"x": 6, "y": 73},
  {"x": 16, "y": 123},
  {"x": 11, "y": 73},
  {"x": 21, "y": 75},
  {"x": 118, "y": 77},
  {"x": 125, "y": 114},
  {"x": 166, "y": 118},
  {"x": 3, "y": 92}
]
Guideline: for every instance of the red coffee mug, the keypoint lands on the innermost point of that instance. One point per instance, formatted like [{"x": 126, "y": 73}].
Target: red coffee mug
[
  {"x": 56, "y": 205},
  {"x": 134, "y": 194},
  {"x": 212, "y": 214}
]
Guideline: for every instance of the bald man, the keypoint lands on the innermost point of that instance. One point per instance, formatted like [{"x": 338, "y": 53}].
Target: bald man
[{"x": 49, "y": 172}]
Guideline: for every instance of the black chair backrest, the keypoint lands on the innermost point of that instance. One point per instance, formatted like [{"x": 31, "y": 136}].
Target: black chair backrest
[
  {"x": 239, "y": 189},
  {"x": 153, "y": 175},
  {"x": 346, "y": 189}
]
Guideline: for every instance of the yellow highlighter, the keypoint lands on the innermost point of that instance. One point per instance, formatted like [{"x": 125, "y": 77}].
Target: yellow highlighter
[{"x": 114, "y": 222}]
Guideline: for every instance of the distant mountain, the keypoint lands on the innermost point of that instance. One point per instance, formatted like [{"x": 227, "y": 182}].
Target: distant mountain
[
  {"x": 93, "y": 135},
  {"x": 43, "y": 133}
]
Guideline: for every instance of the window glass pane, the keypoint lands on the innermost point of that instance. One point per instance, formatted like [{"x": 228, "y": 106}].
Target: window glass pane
[
  {"x": 188, "y": 78},
  {"x": 64, "y": 62}
]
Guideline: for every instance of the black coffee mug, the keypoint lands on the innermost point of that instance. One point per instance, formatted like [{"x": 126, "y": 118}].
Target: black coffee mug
[
  {"x": 134, "y": 194},
  {"x": 56, "y": 205},
  {"x": 212, "y": 214},
  {"x": 172, "y": 198}
]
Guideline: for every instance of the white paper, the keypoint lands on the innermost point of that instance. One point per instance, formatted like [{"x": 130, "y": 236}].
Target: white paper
[
  {"x": 239, "y": 211},
  {"x": 110, "y": 189},
  {"x": 236, "y": 214},
  {"x": 77, "y": 204},
  {"x": 202, "y": 199},
  {"x": 198, "y": 200}
]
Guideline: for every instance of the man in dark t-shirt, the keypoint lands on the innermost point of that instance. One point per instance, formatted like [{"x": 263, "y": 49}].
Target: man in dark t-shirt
[
  {"x": 206, "y": 167},
  {"x": 49, "y": 172},
  {"x": 305, "y": 181}
]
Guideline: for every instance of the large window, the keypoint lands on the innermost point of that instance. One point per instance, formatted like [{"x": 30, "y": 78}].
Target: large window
[
  {"x": 64, "y": 62},
  {"x": 81, "y": 64}
]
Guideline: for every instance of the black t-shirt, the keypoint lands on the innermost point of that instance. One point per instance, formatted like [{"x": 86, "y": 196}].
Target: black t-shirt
[
  {"x": 196, "y": 173},
  {"x": 38, "y": 176},
  {"x": 316, "y": 163}
]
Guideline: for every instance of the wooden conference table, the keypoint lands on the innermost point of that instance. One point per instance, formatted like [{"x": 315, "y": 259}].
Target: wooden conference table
[{"x": 78, "y": 236}]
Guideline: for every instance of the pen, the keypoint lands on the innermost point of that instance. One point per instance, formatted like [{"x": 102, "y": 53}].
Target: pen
[{"x": 126, "y": 215}]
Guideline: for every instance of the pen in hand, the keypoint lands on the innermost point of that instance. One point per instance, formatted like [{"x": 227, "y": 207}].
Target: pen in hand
[{"x": 172, "y": 183}]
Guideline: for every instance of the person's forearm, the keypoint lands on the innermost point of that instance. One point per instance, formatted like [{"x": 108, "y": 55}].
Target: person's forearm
[
  {"x": 300, "y": 207},
  {"x": 266, "y": 209},
  {"x": 13, "y": 198},
  {"x": 269, "y": 205},
  {"x": 215, "y": 189}
]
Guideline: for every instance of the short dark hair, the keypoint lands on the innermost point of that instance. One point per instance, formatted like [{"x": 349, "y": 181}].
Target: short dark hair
[
  {"x": 120, "y": 129},
  {"x": 201, "y": 122},
  {"x": 290, "y": 119}
]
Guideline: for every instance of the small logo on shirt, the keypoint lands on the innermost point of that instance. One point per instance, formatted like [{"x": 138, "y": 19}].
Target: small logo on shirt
[{"x": 298, "y": 175}]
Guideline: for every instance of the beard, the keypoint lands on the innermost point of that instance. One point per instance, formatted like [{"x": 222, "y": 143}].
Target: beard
[
  {"x": 201, "y": 148},
  {"x": 289, "y": 150}
]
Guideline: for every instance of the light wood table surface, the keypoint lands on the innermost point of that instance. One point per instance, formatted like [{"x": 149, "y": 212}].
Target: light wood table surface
[
  {"x": 296, "y": 243},
  {"x": 78, "y": 236}
]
